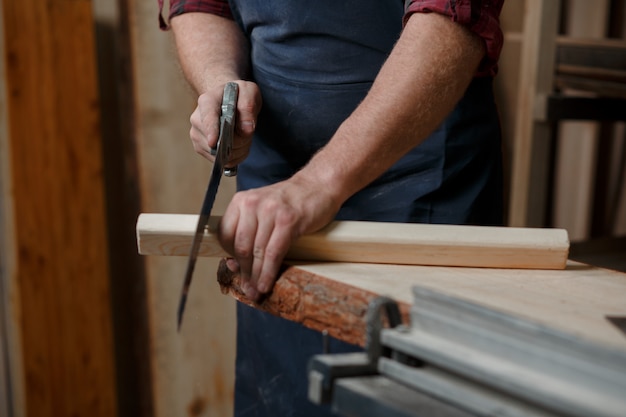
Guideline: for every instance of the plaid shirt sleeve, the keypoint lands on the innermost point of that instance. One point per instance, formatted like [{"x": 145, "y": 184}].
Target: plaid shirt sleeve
[
  {"x": 480, "y": 16},
  {"x": 217, "y": 7}
]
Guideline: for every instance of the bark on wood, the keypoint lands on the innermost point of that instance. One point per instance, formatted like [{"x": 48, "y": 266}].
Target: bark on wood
[
  {"x": 312, "y": 300},
  {"x": 334, "y": 296}
]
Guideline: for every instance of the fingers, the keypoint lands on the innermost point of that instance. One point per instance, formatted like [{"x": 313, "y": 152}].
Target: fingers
[
  {"x": 204, "y": 127},
  {"x": 275, "y": 250},
  {"x": 248, "y": 108},
  {"x": 204, "y": 120},
  {"x": 258, "y": 238}
]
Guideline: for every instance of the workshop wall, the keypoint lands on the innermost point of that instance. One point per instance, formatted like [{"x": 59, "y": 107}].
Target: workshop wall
[
  {"x": 56, "y": 331},
  {"x": 192, "y": 371}
]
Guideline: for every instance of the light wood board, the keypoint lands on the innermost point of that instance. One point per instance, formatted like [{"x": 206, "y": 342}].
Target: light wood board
[
  {"x": 532, "y": 132},
  {"x": 375, "y": 242}
]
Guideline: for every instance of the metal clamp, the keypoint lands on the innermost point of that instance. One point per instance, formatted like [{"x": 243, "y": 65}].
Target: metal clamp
[{"x": 324, "y": 369}]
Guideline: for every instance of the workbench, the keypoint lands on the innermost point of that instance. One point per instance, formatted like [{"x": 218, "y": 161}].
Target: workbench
[
  {"x": 334, "y": 296},
  {"x": 465, "y": 340},
  {"x": 552, "y": 337}
]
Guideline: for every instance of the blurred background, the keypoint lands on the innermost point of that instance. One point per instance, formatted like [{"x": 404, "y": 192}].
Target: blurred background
[{"x": 94, "y": 120}]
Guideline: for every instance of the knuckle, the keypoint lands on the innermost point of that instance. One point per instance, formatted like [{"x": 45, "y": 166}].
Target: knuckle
[
  {"x": 193, "y": 134},
  {"x": 259, "y": 253},
  {"x": 273, "y": 255},
  {"x": 203, "y": 100},
  {"x": 241, "y": 251},
  {"x": 285, "y": 218},
  {"x": 249, "y": 201},
  {"x": 247, "y": 106}
]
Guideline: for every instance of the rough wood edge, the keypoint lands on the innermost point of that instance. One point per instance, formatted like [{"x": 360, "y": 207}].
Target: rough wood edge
[{"x": 312, "y": 300}]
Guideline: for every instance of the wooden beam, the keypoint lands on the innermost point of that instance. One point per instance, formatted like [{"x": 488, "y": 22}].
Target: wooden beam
[
  {"x": 11, "y": 373},
  {"x": 608, "y": 54},
  {"x": 185, "y": 381},
  {"x": 335, "y": 296},
  {"x": 59, "y": 268},
  {"x": 567, "y": 107},
  {"x": 531, "y": 147},
  {"x": 128, "y": 282},
  {"x": 373, "y": 242}
]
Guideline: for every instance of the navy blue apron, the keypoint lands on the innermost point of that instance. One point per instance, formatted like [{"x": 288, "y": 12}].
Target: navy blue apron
[{"x": 314, "y": 62}]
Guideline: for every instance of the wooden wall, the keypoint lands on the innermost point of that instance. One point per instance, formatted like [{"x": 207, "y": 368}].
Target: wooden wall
[
  {"x": 127, "y": 269},
  {"x": 55, "y": 270},
  {"x": 11, "y": 391},
  {"x": 193, "y": 371}
]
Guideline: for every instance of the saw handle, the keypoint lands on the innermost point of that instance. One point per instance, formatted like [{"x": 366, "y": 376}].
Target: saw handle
[{"x": 227, "y": 126}]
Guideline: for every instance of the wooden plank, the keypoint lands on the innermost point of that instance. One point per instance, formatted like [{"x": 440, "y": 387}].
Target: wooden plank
[
  {"x": 564, "y": 107},
  {"x": 592, "y": 73},
  {"x": 59, "y": 277},
  {"x": 577, "y": 142},
  {"x": 185, "y": 380},
  {"x": 127, "y": 272},
  {"x": 11, "y": 373},
  {"x": 531, "y": 150},
  {"x": 575, "y": 301},
  {"x": 600, "y": 53},
  {"x": 590, "y": 86},
  {"x": 377, "y": 242},
  {"x": 506, "y": 84}
]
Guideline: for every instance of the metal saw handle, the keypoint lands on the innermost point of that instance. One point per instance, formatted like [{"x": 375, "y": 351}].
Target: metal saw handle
[{"x": 227, "y": 127}]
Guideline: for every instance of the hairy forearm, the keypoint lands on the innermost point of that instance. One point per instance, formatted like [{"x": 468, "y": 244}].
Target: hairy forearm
[
  {"x": 211, "y": 49},
  {"x": 426, "y": 74}
]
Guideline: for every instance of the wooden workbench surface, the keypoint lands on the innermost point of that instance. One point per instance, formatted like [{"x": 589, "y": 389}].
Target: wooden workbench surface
[
  {"x": 330, "y": 285},
  {"x": 333, "y": 296}
]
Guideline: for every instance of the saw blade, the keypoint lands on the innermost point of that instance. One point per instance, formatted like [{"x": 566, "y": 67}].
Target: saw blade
[{"x": 222, "y": 155}]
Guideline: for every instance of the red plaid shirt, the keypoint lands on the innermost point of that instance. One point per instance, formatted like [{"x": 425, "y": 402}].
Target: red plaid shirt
[{"x": 480, "y": 16}]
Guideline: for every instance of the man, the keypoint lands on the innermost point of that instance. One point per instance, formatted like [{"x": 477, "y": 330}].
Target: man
[{"x": 361, "y": 110}]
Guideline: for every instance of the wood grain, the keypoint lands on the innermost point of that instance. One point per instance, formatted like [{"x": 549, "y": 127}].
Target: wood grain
[
  {"x": 59, "y": 232},
  {"x": 531, "y": 150},
  {"x": 186, "y": 381},
  {"x": 313, "y": 300},
  {"x": 372, "y": 242},
  {"x": 334, "y": 296}
]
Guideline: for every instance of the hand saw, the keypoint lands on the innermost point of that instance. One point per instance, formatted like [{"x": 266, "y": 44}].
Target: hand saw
[{"x": 222, "y": 154}]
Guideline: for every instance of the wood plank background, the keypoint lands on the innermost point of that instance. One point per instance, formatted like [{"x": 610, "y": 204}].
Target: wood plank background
[
  {"x": 127, "y": 270},
  {"x": 192, "y": 371},
  {"x": 10, "y": 370},
  {"x": 59, "y": 241}
]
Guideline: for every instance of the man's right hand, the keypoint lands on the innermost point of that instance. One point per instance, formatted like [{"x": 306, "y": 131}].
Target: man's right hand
[{"x": 205, "y": 124}]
